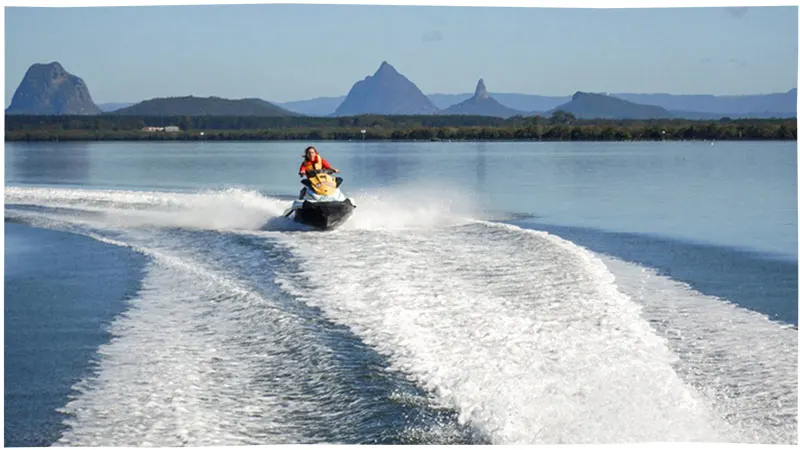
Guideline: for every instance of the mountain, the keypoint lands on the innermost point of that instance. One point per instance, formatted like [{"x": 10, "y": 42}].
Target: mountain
[
  {"x": 781, "y": 104},
  {"x": 320, "y": 106},
  {"x": 108, "y": 107},
  {"x": 481, "y": 104},
  {"x": 385, "y": 92},
  {"x": 599, "y": 106},
  {"x": 686, "y": 106},
  {"x": 326, "y": 106},
  {"x": 204, "y": 106},
  {"x": 48, "y": 89},
  {"x": 444, "y": 101},
  {"x": 520, "y": 102}
]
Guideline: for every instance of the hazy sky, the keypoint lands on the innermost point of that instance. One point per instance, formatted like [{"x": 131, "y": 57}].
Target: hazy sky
[{"x": 300, "y": 51}]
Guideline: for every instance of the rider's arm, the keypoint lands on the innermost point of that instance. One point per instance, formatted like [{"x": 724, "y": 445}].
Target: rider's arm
[{"x": 326, "y": 165}]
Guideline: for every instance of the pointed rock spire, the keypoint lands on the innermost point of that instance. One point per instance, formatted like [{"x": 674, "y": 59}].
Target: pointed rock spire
[
  {"x": 481, "y": 104},
  {"x": 480, "y": 90},
  {"x": 386, "y": 69}
]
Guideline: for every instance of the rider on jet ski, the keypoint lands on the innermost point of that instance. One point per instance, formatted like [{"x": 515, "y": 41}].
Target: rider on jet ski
[
  {"x": 321, "y": 204},
  {"x": 313, "y": 161}
]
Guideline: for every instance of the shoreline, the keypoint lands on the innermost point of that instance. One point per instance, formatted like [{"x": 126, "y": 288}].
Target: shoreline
[
  {"x": 391, "y": 129},
  {"x": 234, "y": 136},
  {"x": 68, "y": 139}
]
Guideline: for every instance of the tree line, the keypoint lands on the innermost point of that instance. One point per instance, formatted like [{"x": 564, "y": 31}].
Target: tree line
[{"x": 560, "y": 126}]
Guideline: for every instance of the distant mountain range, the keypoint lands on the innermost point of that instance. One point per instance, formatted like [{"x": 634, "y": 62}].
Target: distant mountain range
[
  {"x": 108, "y": 107},
  {"x": 49, "y": 89},
  {"x": 685, "y": 106},
  {"x": 519, "y": 102},
  {"x": 320, "y": 106},
  {"x": 782, "y": 103}
]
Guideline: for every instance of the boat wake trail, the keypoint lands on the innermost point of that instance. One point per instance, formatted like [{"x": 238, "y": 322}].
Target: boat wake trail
[
  {"x": 415, "y": 322},
  {"x": 526, "y": 335}
]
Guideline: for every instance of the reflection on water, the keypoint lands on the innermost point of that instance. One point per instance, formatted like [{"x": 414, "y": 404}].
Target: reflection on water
[
  {"x": 480, "y": 165},
  {"x": 384, "y": 163},
  {"x": 50, "y": 163}
]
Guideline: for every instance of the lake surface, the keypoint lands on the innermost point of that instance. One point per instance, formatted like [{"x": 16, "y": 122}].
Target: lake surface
[{"x": 490, "y": 292}]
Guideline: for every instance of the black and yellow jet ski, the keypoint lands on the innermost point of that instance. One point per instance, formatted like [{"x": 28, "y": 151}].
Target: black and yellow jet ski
[{"x": 321, "y": 204}]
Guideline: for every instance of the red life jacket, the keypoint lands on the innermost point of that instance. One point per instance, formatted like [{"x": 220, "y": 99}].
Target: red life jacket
[{"x": 318, "y": 163}]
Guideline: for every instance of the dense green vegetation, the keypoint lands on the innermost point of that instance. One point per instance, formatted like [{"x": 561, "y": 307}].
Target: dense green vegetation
[{"x": 559, "y": 127}]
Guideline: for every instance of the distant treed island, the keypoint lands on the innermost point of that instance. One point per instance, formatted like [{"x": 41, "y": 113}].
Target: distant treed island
[
  {"x": 559, "y": 127},
  {"x": 52, "y": 104}
]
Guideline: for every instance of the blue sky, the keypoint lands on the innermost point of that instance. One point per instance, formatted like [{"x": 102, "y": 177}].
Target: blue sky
[{"x": 282, "y": 52}]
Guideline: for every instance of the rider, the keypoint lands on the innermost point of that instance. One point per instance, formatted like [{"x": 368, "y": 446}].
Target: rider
[{"x": 313, "y": 161}]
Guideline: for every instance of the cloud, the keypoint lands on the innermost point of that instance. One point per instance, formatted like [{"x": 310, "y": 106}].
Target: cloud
[
  {"x": 737, "y": 11},
  {"x": 431, "y": 36}
]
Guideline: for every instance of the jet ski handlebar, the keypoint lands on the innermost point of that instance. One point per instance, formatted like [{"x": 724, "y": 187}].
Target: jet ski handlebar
[{"x": 311, "y": 173}]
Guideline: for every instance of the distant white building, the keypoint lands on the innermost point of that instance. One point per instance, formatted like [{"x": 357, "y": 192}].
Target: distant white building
[{"x": 169, "y": 129}]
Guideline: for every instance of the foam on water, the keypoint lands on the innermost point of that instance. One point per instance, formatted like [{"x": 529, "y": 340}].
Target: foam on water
[
  {"x": 527, "y": 337},
  {"x": 742, "y": 361},
  {"x": 200, "y": 359},
  {"x": 237, "y": 209},
  {"x": 409, "y": 208},
  {"x": 167, "y": 378},
  {"x": 213, "y": 210}
]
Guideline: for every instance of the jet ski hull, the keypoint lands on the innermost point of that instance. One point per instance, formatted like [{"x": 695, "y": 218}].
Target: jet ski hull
[{"x": 324, "y": 215}]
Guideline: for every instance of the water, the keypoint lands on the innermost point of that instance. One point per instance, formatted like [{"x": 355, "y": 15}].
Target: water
[
  {"x": 56, "y": 314},
  {"x": 481, "y": 293}
]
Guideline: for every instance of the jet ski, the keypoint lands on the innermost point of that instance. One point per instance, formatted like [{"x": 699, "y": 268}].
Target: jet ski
[{"x": 321, "y": 205}]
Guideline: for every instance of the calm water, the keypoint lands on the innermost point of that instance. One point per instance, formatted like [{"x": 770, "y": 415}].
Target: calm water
[{"x": 481, "y": 293}]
